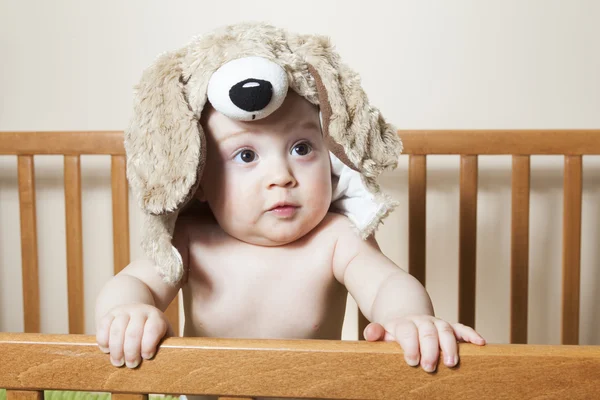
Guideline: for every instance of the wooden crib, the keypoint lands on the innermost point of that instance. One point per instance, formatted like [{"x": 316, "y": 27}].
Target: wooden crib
[{"x": 32, "y": 362}]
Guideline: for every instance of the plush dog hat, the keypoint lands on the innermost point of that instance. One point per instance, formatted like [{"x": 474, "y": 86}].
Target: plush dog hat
[{"x": 245, "y": 71}]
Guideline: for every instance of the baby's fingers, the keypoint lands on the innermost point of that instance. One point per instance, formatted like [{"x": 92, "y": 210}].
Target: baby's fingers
[
  {"x": 467, "y": 334},
  {"x": 375, "y": 332},
  {"x": 447, "y": 342},
  {"x": 117, "y": 339},
  {"x": 407, "y": 336},
  {"x": 429, "y": 344},
  {"x": 103, "y": 332},
  {"x": 154, "y": 330},
  {"x": 133, "y": 340}
]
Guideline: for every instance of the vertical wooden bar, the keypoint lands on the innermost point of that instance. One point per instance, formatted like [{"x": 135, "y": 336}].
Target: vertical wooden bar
[
  {"x": 519, "y": 261},
  {"x": 120, "y": 210},
  {"x": 172, "y": 314},
  {"x": 74, "y": 243},
  {"x": 128, "y": 396},
  {"x": 417, "y": 188},
  {"x": 29, "y": 251},
  {"x": 467, "y": 240},
  {"x": 24, "y": 395},
  {"x": 362, "y": 324},
  {"x": 572, "y": 192}
]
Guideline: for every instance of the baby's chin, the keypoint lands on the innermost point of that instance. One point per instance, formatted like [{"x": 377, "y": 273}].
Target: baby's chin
[{"x": 273, "y": 237}]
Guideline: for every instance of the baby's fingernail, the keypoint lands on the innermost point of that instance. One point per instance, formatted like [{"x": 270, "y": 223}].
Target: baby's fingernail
[
  {"x": 429, "y": 367},
  {"x": 117, "y": 363},
  {"x": 132, "y": 364},
  {"x": 147, "y": 356},
  {"x": 413, "y": 362},
  {"x": 450, "y": 360},
  {"x": 104, "y": 349}
]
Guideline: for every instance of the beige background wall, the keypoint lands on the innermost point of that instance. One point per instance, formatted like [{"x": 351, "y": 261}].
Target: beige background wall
[{"x": 71, "y": 65}]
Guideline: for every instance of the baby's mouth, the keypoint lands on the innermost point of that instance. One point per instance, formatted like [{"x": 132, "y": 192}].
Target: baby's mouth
[{"x": 283, "y": 210}]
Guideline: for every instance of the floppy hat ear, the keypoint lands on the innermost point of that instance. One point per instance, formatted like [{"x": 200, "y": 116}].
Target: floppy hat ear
[
  {"x": 370, "y": 145},
  {"x": 164, "y": 142},
  {"x": 157, "y": 244},
  {"x": 165, "y": 147},
  {"x": 362, "y": 144}
]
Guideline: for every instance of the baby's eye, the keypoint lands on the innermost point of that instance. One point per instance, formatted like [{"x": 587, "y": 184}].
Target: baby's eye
[
  {"x": 302, "y": 149},
  {"x": 246, "y": 156}
]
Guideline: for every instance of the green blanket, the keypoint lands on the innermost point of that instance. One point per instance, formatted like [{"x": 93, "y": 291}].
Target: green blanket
[{"x": 62, "y": 395}]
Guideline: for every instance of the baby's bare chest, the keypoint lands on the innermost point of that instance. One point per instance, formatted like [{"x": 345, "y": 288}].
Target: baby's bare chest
[{"x": 239, "y": 290}]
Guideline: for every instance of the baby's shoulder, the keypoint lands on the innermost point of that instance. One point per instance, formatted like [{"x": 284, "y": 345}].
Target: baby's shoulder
[
  {"x": 337, "y": 227},
  {"x": 335, "y": 223},
  {"x": 346, "y": 235}
]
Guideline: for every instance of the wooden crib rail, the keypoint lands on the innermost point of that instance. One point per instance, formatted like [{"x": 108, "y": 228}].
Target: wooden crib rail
[
  {"x": 298, "y": 368},
  {"x": 74, "y": 143},
  {"x": 495, "y": 142},
  {"x": 416, "y": 142}
]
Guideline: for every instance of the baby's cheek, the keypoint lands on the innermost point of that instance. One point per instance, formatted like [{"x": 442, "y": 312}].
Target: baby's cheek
[
  {"x": 225, "y": 198},
  {"x": 320, "y": 198},
  {"x": 322, "y": 187},
  {"x": 233, "y": 216},
  {"x": 242, "y": 205}
]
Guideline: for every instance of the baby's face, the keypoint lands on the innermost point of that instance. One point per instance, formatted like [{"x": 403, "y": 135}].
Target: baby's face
[{"x": 268, "y": 182}]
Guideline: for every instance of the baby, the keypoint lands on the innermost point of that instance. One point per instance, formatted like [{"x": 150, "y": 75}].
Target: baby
[
  {"x": 266, "y": 258},
  {"x": 254, "y": 154}
]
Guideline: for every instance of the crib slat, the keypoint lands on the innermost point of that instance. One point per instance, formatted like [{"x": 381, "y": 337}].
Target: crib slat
[
  {"x": 172, "y": 314},
  {"x": 519, "y": 249},
  {"x": 362, "y": 324},
  {"x": 467, "y": 239},
  {"x": 29, "y": 251},
  {"x": 572, "y": 192},
  {"x": 120, "y": 210},
  {"x": 417, "y": 187},
  {"x": 128, "y": 396},
  {"x": 24, "y": 395},
  {"x": 74, "y": 243}
]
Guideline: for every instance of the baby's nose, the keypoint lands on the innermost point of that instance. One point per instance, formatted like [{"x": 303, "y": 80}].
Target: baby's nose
[
  {"x": 251, "y": 94},
  {"x": 281, "y": 176},
  {"x": 284, "y": 181}
]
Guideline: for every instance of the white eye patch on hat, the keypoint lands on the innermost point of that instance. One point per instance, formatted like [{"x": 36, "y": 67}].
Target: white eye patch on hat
[{"x": 247, "y": 89}]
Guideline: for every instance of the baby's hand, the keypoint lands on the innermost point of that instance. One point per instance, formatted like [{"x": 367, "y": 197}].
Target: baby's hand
[
  {"x": 422, "y": 336},
  {"x": 132, "y": 332}
]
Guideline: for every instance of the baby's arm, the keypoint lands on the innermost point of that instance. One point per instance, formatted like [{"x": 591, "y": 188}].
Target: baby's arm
[
  {"x": 397, "y": 304},
  {"x": 129, "y": 311},
  {"x": 129, "y": 314}
]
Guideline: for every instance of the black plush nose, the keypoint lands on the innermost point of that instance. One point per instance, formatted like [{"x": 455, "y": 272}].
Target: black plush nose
[{"x": 251, "y": 94}]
